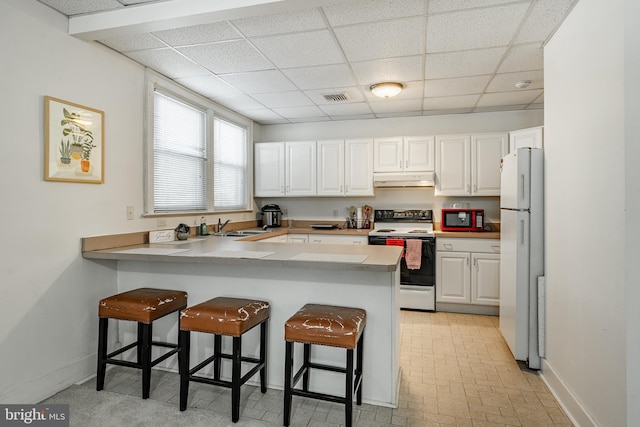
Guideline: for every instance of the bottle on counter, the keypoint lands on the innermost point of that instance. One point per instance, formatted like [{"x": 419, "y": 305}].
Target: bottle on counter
[{"x": 203, "y": 227}]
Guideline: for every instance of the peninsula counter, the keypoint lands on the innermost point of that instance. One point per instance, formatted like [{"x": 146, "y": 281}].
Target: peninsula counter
[{"x": 288, "y": 275}]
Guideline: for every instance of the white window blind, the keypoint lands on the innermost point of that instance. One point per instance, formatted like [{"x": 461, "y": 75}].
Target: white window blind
[
  {"x": 179, "y": 156},
  {"x": 230, "y": 165}
]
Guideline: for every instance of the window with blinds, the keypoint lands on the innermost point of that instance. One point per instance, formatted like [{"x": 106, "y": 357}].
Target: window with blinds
[{"x": 196, "y": 168}]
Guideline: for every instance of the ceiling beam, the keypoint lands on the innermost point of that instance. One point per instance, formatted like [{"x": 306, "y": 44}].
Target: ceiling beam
[{"x": 143, "y": 18}]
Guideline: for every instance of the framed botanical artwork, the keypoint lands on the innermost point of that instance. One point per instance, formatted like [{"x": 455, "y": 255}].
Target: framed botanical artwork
[{"x": 73, "y": 142}]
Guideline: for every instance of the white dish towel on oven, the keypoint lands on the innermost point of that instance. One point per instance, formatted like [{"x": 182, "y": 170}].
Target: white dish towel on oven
[{"x": 413, "y": 255}]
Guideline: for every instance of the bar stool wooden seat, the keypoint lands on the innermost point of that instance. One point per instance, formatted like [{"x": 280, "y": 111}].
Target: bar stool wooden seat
[
  {"x": 316, "y": 324},
  {"x": 143, "y": 306},
  {"x": 231, "y": 317}
]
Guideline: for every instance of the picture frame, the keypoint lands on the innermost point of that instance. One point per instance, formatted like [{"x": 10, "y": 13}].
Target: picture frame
[{"x": 73, "y": 142}]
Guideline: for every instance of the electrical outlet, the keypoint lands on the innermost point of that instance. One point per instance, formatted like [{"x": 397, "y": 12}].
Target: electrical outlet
[
  {"x": 285, "y": 212},
  {"x": 335, "y": 213},
  {"x": 129, "y": 212},
  {"x": 162, "y": 222}
]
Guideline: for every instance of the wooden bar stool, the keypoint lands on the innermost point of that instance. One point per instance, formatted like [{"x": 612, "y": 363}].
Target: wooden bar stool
[
  {"x": 330, "y": 326},
  {"x": 231, "y": 317},
  {"x": 142, "y": 305}
]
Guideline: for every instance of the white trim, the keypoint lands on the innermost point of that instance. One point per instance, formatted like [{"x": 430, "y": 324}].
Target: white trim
[{"x": 571, "y": 405}]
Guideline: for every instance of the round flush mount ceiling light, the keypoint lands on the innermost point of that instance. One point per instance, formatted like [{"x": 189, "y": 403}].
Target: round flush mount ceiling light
[
  {"x": 386, "y": 89},
  {"x": 523, "y": 84}
]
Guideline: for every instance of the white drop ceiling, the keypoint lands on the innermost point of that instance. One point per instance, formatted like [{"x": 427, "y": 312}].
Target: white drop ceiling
[{"x": 274, "y": 60}]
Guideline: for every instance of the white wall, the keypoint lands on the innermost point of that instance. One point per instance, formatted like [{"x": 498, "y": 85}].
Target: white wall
[
  {"x": 586, "y": 180},
  {"x": 408, "y": 198}
]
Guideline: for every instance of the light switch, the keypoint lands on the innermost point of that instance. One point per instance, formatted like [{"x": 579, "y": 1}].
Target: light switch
[{"x": 129, "y": 212}]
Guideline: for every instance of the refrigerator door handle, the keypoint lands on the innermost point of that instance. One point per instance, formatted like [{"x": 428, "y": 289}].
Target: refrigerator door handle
[
  {"x": 522, "y": 235},
  {"x": 522, "y": 192}
]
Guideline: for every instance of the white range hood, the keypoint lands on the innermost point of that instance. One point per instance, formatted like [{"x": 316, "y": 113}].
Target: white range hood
[{"x": 403, "y": 179}]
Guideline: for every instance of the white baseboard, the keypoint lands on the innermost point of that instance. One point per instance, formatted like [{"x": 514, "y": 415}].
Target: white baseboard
[
  {"x": 44, "y": 387},
  {"x": 569, "y": 402}
]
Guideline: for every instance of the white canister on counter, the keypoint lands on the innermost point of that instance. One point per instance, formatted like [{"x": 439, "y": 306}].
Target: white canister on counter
[{"x": 359, "y": 218}]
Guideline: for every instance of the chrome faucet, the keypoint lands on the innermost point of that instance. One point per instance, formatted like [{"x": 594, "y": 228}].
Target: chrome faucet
[{"x": 221, "y": 225}]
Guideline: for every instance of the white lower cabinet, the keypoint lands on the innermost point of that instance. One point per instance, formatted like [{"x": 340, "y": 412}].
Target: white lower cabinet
[
  {"x": 298, "y": 238},
  {"x": 338, "y": 240},
  {"x": 468, "y": 271}
]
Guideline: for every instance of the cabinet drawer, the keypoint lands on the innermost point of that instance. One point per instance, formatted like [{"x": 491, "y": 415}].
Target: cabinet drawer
[{"x": 491, "y": 246}]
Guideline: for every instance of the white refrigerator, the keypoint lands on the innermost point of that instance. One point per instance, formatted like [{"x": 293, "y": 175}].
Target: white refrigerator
[{"x": 521, "y": 252}]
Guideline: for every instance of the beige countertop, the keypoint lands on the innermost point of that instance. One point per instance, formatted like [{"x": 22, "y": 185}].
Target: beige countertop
[{"x": 246, "y": 251}]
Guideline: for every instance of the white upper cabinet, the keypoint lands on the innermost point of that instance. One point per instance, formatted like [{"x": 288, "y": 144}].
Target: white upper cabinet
[
  {"x": 269, "y": 170},
  {"x": 469, "y": 165},
  {"x": 524, "y": 138},
  {"x": 358, "y": 167},
  {"x": 331, "y": 168},
  {"x": 285, "y": 169},
  {"x": 408, "y": 154}
]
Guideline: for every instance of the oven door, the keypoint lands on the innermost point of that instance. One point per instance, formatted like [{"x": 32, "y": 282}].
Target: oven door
[{"x": 423, "y": 276}]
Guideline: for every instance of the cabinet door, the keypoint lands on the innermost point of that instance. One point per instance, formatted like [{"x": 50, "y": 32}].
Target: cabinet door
[
  {"x": 531, "y": 137},
  {"x": 485, "y": 279},
  {"x": 269, "y": 170},
  {"x": 298, "y": 238},
  {"x": 330, "y": 168},
  {"x": 387, "y": 155},
  {"x": 486, "y": 152},
  {"x": 301, "y": 168},
  {"x": 358, "y": 174},
  {"x": 419, "y": 154},
  {"x": 453, "y": 277},
  {"x": 453, "y": 165}
]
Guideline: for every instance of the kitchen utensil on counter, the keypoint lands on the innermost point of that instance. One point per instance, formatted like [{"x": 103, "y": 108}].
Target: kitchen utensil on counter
[
  {"x": 367, "y": 211},
  {"x": 271, "y": 215}
]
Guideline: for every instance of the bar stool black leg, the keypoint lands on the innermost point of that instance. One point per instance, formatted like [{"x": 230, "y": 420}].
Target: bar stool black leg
[
  {"x": 235, "y": 380},
  {"x": 263, "y": 357},
  {"x": 146, "y": 359},
  {"x": 103, "y": 326},
  {"x": 288, "y": 367},
  {"x": 139, "y": 347},
  {"x": 184, "y": 339},
  {"x": 307, "y": 371},
  {"x": 348, "y": 408},
  {"x": 359, "y": 356},
  {"x": 217, "y": 361}
]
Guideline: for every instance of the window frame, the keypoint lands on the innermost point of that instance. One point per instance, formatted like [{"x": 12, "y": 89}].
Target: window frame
[{"x": 212, "y": 110}]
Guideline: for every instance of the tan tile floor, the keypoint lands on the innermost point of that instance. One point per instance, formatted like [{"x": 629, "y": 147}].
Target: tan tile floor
[{"x": 456, "y": 371}]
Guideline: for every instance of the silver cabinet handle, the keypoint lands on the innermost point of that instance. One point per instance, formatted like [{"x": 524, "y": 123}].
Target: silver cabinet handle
[
  {"x": 448, "y": 246},
  {"x": 475, "y": 188},
  {"x": 468, "y": 188},
  {"x": 282, "y": 189},
  {"x": 341, "y": 188}
]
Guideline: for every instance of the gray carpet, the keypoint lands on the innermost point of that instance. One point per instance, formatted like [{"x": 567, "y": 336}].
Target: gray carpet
[{"x": 89, "y": 408}]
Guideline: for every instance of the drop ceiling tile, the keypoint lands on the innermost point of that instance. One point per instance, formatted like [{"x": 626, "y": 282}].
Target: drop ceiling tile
[
  {"x": 386, "y": 39},
  {"x": 299, "y": 112},
  {"x": 353, "y": 12},
  {"x": 197, "y": 34},
  {"x": 438, "y": 6},
  {"x": 403, "y": 69},
  {"x": 508, "y": 98},
  {"x": 411, "y": 90},
  {"x": 239, "y": 103},
  {"x": 210, "y": 86},
  {"x": 543, "y": 20},
  {"x": 460, "y": 64},
  {"x": 133, "y": 42},
  {"x": 227, "y": 57},
  {"x": 300, "y": 50},
  {"x": 319, "y": 77},
  {"x": 506, "y": 82},
  {"x": 396, "y": 106},
  {"x": 474, "y": 29},
  {"x": 283, "y": 23},
  {"x": 523, "y": 57},
  {"x": 262, "y": 116},
  {"x": 450, "y": 102},
  {"x": 260, "y": 81},
  {"x": 317, "y": 95},
  {"x": 453, "y": 87},
  {"x": 283, "y": 99},
  {"x": 356, "y": 109},
  {"x": 70, "y": 8},
  {"x": 168, "y": 62}
]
